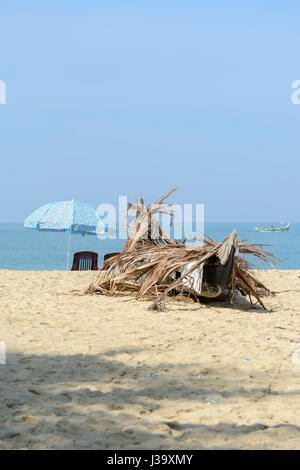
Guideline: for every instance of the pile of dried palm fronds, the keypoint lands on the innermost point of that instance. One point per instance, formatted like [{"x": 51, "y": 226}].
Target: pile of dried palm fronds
[{"x": 148, "y": 264}]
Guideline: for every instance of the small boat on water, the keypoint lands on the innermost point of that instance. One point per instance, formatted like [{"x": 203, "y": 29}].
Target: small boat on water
[{"x": 281, "y": 228}]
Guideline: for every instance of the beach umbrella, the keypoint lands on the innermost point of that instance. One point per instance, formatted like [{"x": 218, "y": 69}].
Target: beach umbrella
[{"x": 67, "y": 216}]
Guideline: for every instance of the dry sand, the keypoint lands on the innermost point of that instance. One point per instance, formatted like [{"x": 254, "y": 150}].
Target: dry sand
[{"x": 77, "y": 368}]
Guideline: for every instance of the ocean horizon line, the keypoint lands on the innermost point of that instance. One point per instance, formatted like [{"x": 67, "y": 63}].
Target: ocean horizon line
[{"x": 205, "y": 222}]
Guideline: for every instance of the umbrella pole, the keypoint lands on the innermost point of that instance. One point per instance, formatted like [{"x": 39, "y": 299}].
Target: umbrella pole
[{"x": 68, "y": 250}]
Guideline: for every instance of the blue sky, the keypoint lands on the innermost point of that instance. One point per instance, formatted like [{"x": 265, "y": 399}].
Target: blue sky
[{"x": 121, "y": 97}]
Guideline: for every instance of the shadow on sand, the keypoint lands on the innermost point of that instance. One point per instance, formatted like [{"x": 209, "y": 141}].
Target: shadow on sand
[{"x": 100, "y": 402}]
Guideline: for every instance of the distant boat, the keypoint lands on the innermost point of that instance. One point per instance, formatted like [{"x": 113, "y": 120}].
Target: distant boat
[{"x": 281, "y": 228}]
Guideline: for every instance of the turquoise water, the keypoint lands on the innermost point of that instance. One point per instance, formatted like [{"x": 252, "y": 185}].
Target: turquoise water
[{"x": 39, "y": 251}]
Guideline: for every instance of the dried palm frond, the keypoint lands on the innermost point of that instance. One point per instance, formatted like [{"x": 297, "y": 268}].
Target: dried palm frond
[
  {"x": 148, "y": 266},
  {"x": 146, "y": 227}
]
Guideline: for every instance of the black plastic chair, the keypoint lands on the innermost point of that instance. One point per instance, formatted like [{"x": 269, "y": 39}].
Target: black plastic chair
[
  {"x": 106, "y": 263},
  {"x": 85, "y": 261}
]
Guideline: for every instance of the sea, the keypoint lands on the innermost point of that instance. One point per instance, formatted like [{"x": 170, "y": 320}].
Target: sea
[{"x": 31, "y": 250}]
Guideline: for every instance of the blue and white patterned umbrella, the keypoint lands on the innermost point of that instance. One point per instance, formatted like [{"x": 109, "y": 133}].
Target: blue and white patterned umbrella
[
  {"x": 63, "y": 216},
  {"x": 67, "y": 216}
]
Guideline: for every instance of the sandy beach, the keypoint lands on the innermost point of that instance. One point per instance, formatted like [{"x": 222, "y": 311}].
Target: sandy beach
[{"x": 94, "y": 372}]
